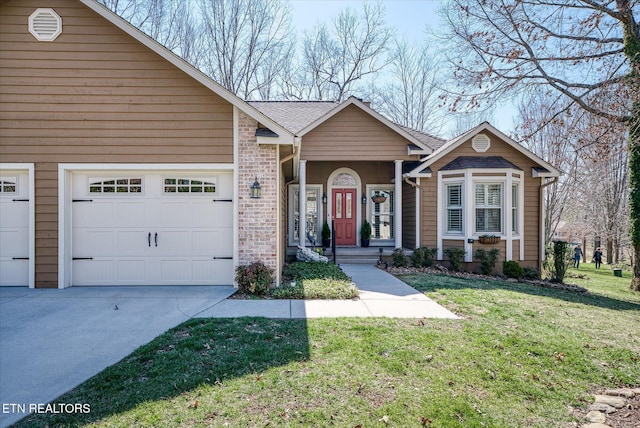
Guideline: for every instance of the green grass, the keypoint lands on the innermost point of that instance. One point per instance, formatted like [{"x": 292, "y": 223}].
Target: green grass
[
  {"x": 521, "y": 356},
  {"x": 314, "y": 280}
]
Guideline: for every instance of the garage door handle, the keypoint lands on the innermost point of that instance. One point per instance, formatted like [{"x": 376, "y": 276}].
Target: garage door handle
[
  {"x": 156, "y": 237},
  {"x": 149, "y": 239},
  {"x": 21, "y": 258},
  {"x": 223, "y": 258}
]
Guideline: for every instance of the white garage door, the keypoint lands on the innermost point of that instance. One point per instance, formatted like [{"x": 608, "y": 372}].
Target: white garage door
[
  {"x": 14, "y": 228},
  {"x": 142, "y": 228}
]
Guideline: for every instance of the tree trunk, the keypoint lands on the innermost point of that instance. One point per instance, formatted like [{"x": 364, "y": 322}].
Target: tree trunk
[
  {"x": 635, "y": 281},
  {"x": 609, "y": 250}
]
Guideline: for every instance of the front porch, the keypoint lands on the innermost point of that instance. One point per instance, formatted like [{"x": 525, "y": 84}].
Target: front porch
[
  {"x": 345, "y": 195},
  {"x": 355, "y": 255}
]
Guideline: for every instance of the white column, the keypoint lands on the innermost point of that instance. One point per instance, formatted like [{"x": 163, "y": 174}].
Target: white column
[
  {"x": 397, "y": 208},
  {"x": 302, "y": 201}
]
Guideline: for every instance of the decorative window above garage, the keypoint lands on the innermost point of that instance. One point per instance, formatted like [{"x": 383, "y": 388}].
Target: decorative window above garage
[
  {"x": 8, "y": 184},
  {"x": 116, "y": 185},
  {"x": 188, "y": 185},
  {"x": 45, "y": 24}
]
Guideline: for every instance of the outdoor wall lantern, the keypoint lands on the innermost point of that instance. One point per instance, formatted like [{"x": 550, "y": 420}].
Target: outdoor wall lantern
[
  {"x": 364, "y": 199},
  {"x": 324, "y": 198},
  {"x": 255, "y": 189}
]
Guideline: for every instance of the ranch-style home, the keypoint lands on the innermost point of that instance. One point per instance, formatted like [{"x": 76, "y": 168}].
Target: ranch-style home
[{"x": 121, "y": 164}]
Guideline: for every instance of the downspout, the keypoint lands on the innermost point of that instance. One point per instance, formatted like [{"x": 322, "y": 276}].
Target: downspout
[{"x": 542, "y": 223}]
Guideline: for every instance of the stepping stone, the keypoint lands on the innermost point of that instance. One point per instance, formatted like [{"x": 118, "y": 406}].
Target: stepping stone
[
  {"x": 621, "y": 392},
  {"x": 601, "y": 407},
  {"x": 616, "y": 402},
  {"x": 596, "y": 417},
  {"x": 595, "y": 425}
]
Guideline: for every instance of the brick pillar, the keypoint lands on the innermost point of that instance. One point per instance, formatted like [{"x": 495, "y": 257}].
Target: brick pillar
[{"x": 257, "y": 218}]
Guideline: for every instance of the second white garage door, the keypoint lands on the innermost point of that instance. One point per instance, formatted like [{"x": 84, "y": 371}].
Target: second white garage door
[{"x": 142, "y": 228}]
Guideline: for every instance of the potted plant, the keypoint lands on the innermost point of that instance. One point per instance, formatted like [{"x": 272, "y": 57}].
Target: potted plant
[
  {"x": 379, "y": 197},
  {"x": 489, "y": 239},
  {"x": 365, "y": 234},
  {"x": 326, "y": 235}
]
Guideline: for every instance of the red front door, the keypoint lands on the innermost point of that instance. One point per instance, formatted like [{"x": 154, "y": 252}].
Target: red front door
[{"x": 344, "y": 215}]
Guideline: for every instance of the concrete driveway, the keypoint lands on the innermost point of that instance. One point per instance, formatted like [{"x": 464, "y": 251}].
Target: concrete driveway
[{"x": 53, "y": 340}]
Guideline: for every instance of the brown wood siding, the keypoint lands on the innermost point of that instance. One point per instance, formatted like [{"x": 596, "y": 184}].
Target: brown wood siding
[
  {"x": 531, "y": 197},
  {"x": 408, "y": 216},
  {"x": 95, "y": 95},
  {"x": 353, "y": 134}
]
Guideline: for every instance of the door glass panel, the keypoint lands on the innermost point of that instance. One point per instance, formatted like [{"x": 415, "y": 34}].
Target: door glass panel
[
  {"x": 348, "y": 197},
  {"x": 344, "y": 180},
  {"x": 338, "y": 205}
]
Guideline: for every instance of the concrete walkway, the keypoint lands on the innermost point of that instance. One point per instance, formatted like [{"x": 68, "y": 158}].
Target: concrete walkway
[
  {"x": 381, "y": 295},
  {"x": 53, "y": 340}
]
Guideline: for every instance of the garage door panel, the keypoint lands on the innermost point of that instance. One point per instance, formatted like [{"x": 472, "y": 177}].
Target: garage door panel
[
  {"x": 133, "y": 271},
  {"x": 14, "y": 243},
  {"x": 189, "y": 229},
  {"x": 14, "y": 227},
  {"x": 13, "y": 272}
]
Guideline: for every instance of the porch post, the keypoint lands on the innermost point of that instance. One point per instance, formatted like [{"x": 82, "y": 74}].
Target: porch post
[
  {"x": 397, "y": 208},
  {"x": 302, "y": 201}
]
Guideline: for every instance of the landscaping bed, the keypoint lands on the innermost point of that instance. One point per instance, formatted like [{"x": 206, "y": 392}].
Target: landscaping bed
[{"x": 309, "y": 280}]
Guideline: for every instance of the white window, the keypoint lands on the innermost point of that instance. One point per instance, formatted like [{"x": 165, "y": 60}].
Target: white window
[
  {"x": 188, "y": 185},
  {"x": 454, "y": 208},
  {"x": 8, "y": 184},
  {"x": 116, "y": 185},
  {"x": 488, "y": 207},
  {"x": 381, "y": 202},
  {"x": 314, "y": 214}
]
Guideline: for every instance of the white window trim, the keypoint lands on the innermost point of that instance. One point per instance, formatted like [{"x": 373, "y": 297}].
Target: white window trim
[
  {"x": 30, "y": 168},
  {"x": 369, "y": 211},
  {"x": 506, "y": 177},
  {"x": 293, "y": 238},
  {"x": 489, "y": 181}
]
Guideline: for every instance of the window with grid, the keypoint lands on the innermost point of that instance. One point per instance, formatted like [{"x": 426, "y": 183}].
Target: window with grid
[
  {"x": 188, "y": 185},
  {"x": 382, "y": 213},
  {"x": 312, "y": 225},
  {"x": 8, "y": 184},
  {"x": 116, "y": 185},
  {"x": 488, "y": 198},
  {"x": 454, "y": 208}
]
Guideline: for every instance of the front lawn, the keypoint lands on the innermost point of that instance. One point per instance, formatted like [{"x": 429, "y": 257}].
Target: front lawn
[{"x": 520, "y": 357}]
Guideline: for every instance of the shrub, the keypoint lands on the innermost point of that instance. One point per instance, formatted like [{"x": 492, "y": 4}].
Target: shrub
[
  {"x": 558, "y": 260},
  {"x": 318, "y": 288},
  {"x": 255, "y": 278},
  {"x": 313, "y": 270},
  {"x": 487, "y": 259},
  {"x": 456, "y": 257},
  {"x": 531, "y": 273},
  {"x": 424, "y": 256},
  {"x": 512, "y": 269},
  {"x": 399, "y": 258}
]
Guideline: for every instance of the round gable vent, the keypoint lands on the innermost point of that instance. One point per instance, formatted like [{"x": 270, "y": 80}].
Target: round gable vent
[
  {"x": 45, "y": 24},
  {"x": 481, "y": 143}
]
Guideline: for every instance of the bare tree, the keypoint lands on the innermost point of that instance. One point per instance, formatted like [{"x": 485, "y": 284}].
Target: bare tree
[
  {"x": 169, "y": 22},
  {"x": 557, "y": 143},
  {"x": 586, "y": 50},
  {"x": 409, "y": 94},
  {"x": 355, "y": 47},
  {"x": 246, "y": 42}
]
